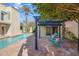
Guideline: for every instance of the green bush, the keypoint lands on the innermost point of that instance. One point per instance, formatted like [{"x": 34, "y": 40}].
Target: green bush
[
  {"x": 74, "y": 38},
  {"x": 70, "y": 35}
]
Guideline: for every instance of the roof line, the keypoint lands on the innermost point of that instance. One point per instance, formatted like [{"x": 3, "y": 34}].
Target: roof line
[{"x": 9, "y": 6}]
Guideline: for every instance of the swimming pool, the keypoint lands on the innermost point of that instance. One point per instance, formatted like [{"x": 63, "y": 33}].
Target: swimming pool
[{"x": 5, "y": 42}]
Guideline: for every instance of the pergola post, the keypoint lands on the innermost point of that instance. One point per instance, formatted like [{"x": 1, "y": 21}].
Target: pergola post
[{"x": 59, "y": 32}]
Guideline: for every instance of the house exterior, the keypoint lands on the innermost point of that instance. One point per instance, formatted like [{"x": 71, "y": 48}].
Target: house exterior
[
  {"x": 9, "y": 21},
  {"x": 71, "y": 26},
  {"x": 47, "y": 28},
  {"x": 23, "y": 27}
]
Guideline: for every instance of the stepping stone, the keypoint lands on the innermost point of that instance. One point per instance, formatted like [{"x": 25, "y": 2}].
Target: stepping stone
[
  {"x": 59, "y": 52},
  {"x": 67, "y": 53}
]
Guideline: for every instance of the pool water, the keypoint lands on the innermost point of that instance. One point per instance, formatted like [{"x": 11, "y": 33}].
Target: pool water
[{"x": 12, "y": 40}]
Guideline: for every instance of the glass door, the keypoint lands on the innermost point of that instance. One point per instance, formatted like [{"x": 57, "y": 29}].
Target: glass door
[
  {"x": 54, "y": 29},
  {"x": 48, "y": 30},
  {"x": 51, "y": 30}
]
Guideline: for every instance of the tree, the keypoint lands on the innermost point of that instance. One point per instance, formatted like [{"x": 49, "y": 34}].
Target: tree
[
  {"x": 26, "y": 9},
  {"x": 59, "y": 11},
  {"x": 29, "y": 11}
]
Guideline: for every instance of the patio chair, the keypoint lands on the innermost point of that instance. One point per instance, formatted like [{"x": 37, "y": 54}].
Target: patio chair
[
  {"x": 52, "y": 36},
  {"x": 57, "y": 41}
]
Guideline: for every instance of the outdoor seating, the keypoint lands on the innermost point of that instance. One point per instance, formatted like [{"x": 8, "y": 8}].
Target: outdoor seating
[
  {"x": 52, "y": 36},
  {"x": 55, "y": 40}
]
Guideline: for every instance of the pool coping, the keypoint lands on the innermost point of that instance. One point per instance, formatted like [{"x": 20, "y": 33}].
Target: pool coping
[{"x": 1, "y": 38}]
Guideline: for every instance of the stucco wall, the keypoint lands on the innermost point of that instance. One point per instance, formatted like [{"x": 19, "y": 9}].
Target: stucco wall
[
  {"x": 15, "y": 23},
  {"x": 42, "y": 31},
  {"x": 14, "y": 28},
  {"x": 72, "y": 26},
  {"x": 16, "y": 20},
  {"x": 2, "y": 7}
]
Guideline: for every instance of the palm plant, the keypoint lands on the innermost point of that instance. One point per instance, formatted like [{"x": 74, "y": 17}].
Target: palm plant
[{"x": 27, "y": 10}]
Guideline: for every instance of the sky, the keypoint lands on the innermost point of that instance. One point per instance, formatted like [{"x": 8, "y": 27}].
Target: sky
[{"x": 22, "y": 13}]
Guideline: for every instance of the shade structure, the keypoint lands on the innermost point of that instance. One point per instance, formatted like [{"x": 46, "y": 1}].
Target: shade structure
[
  {"x": 50, "y": 23},
  {"x": 39, "y": 23}
]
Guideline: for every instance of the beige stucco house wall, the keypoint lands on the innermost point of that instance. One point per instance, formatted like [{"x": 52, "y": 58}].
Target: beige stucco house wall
[
  {"x": 42, "y": 31},
  {"x": 11, "y": 21},
  {"x": 72, "y": 26}
]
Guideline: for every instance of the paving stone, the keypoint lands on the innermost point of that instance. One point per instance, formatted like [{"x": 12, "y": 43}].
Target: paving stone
[
  {"x": 45, "y": 48},
  {"x": 25, "y": 52}
]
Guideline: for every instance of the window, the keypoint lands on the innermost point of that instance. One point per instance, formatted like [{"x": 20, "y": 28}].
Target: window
[
  {"x": 54, "y": 29},
  {"x": 8, "y": 16},
  {"x": 5, "y": 15},
  {"x": 2, "y": 16},
  {"x": 48, "y": 30}
]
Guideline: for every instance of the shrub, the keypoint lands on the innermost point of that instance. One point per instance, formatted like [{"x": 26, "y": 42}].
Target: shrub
[{"x": 70, "y": 35}]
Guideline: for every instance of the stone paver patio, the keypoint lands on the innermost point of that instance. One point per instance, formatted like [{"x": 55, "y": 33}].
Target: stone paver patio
[{"x": 46, "y": 49}]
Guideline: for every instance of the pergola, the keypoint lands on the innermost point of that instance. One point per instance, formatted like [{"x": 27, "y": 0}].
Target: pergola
[
  {"x": 48, "y": 23},
  {"x": 56, "y": 23}
]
